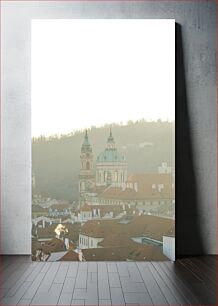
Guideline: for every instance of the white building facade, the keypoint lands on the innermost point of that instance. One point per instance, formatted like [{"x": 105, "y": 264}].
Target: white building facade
[{"x": 88, "y": 242}]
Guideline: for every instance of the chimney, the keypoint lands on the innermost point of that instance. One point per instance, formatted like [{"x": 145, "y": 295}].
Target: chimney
[{"x": 80, "y": 255}]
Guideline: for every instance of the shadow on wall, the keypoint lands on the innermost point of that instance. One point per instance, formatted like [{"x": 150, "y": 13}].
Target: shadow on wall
[{"x": 188, "y": 233}]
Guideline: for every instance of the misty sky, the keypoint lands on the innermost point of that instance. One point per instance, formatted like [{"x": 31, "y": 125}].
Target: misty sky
[{"x": 91, "y": 72}]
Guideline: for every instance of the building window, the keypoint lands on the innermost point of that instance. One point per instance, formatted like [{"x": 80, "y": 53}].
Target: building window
[
  {"x": 105, "y": 176},
  {"x": 82, "y": 186},
  {"x": 87, "y": 165},
  {"x": 115, "y": 176}
]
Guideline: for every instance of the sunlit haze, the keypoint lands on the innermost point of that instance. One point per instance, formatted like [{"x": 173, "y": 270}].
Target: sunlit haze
[{"x": 91, "y": 72}]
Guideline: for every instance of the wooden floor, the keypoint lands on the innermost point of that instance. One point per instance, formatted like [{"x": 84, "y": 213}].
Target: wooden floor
[{"x": 189, "y": 281}]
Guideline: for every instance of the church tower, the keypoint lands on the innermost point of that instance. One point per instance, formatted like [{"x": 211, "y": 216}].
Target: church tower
[
  {"x": 111, "y": 166},
  {"x": 87, "y": 175}
]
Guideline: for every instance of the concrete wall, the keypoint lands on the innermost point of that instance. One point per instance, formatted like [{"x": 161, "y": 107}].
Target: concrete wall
[
  {"x": 196, "y": 113},
  {"x": 169, "y": 247}
]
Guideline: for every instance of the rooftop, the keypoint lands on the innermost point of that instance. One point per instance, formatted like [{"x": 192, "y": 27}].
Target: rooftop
[
  {"x": 110, "y": 154},
  {"x": 86, "y": 207},
  {"x": 39, "y": 209},
  {"x": 134, "y": 252},
  {"x": 106, "y": 254},
  {"x": 62, "y": 206},
  {"x": 149, "y": 226},
  {"x": 48, "y": 232},
  {"x": 70, "y": 256},
  {"x": 55, "y": 245},
  {"x": 142, "y": 187}
]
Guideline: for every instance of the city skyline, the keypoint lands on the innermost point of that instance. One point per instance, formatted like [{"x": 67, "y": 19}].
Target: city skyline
[
  {"x": 117, "y": 215},
  {"x": 103, "y": 179}
]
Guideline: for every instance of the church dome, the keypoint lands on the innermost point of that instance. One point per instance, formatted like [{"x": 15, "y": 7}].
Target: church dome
[{"x": 110, "y": 154}]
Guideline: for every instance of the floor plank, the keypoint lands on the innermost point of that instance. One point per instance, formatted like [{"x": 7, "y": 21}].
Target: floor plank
[
  {"x": 49, "y": 277},
  {"x": 31, "y": 291},
  {"x": 24, "y": 277},
  {"x": 103, "y": 282},
  {"x": 48, "y": 298},
  {"x": 69, "y": 285},
  {"x": 168, "y": 292},
  {"x": 169, "y": 269},
  {"x": 188, "y": 281},
  {"x": 209, "y": 274},
  {"x": 65, "y": 299},
  {"x": 155, "y": 292},
  {"x": 61, "y": 274},
  {"x": 14, "y": 300},
  {"x": 105, "y": 302},
  {"x": 140, "y": 298},
  {"x": 178, "y": 291},
  {"x": 114, "y": 280},
  {"x": 205, "y": 294},
  {"x": 117, "y": 297}
]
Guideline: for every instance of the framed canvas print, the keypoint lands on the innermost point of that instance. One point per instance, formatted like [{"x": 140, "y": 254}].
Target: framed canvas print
[{"x": 103, "y": 139}]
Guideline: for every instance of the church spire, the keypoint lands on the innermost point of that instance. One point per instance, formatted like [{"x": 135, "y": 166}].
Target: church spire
[
  {"x": 110, "y": 141},
  {"x": 87, "y": 174},
  {"x": 86, "y": 147}
]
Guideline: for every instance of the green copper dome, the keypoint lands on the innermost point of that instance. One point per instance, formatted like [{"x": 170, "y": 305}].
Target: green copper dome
[{"x": 110, "y": 155}]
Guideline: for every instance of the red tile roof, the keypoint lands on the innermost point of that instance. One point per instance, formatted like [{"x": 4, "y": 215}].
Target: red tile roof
[
  {"x": 47, "y": 232},
  {"x": 149, "y": 226},
  {"x": 73, "y": 231},
  {"x": 106, "y": 254},
  {"x": 135, "y": 252},
  {"x": 150, "y": 178},
  {"x": 115, "y": 240},
  {"x": 38, "y": 209},
  {"x": 138, "y": 252},
  {"x": 86, "y": 207},
  {"x": 98, "y": 189},
  {"x": 61, "y": 206},
  {"x": 70, "y": 256},
  {"x": 55, "y": 245},
  {"x": 144, "y": 191},
  {"x": 97, "y": 229},
  {"x": 105, "y": 209}
]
